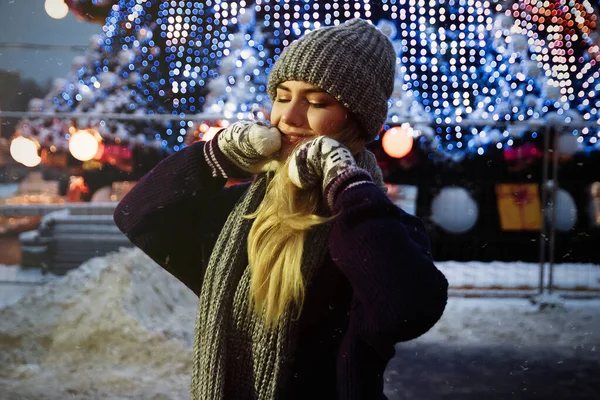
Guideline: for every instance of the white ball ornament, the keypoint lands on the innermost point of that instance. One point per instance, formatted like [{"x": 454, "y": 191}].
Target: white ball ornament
[
  {"x": 565, "y": 212},
  {"x": 454, "y": 210}
]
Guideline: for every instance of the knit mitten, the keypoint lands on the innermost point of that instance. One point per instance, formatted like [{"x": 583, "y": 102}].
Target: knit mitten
[
  {"x": 327, "y": 162},
  {"x": 248, "y": 144}
]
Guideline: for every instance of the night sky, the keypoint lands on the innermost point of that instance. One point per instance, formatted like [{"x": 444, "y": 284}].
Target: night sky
[{"x": 26, "y": 21}]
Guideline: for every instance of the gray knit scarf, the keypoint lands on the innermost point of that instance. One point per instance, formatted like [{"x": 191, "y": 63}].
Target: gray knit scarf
[{"x": 236, "y": 355}]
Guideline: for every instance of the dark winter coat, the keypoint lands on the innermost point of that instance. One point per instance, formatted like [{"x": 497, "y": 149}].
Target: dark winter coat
[{"x": 379, "y": 285}]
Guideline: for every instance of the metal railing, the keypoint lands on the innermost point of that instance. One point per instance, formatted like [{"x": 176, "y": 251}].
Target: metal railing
[{"x": 548, "y": 269}]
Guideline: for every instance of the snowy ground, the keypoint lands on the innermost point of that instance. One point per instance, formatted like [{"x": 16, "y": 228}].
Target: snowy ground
[{"x": 121, "y": 328}]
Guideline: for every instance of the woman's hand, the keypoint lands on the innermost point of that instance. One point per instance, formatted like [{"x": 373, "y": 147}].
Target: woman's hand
[
  {"x": 319, "y": 161},
  {"x": 327, "y": 162},
  {"x": 248, "y": 144}
]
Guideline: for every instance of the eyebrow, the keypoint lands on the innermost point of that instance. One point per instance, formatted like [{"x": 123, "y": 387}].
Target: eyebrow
[{"x": 311, "y": 90}]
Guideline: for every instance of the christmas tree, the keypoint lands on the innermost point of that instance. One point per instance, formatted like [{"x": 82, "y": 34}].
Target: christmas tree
[
  {"x": 181, "y": 66},
  {"x": 503, "y": 62}
]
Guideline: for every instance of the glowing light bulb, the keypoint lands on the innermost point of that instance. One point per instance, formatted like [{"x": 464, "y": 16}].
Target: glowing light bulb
[
  {"x": 83, "y": 145},
  {"x": 56, "y": 9},
  {"x": 397, "y": 142},
  {"x": 25, "y": 151}
]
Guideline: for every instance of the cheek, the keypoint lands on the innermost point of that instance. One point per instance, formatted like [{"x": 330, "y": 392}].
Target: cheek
[{"x": 329, "y": 125}]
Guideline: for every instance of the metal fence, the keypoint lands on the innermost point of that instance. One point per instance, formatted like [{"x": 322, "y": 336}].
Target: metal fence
[{"x": 482, "y": 264}]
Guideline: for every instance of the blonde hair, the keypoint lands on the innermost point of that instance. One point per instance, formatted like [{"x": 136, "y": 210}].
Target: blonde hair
[
  {"x": 276, "y": 244},
  {"x": 277, "y": 236}
]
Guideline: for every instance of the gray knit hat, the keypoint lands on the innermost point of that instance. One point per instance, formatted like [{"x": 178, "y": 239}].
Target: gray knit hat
[{"x": 354, "y": 62}]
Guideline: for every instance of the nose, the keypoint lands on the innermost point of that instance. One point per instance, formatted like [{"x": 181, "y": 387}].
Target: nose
[{"x": 292, "y": 114}]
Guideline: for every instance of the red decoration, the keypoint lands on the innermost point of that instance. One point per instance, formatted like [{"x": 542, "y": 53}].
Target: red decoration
[
  {"x": 77, "y": 189},
  {"x": 111, "y": 153},
  {"x": 525, "y": 152},
  {"x": 522, "y": 157},
  {"x": 114, "y": 154}
]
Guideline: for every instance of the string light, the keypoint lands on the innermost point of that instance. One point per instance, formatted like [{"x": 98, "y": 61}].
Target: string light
[
  {"x": 458, "y": 61},
  {"x": 562, "y": 35}
]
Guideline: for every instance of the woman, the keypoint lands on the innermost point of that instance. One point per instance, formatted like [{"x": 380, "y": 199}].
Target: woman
[{"x": 308, "y": 275}]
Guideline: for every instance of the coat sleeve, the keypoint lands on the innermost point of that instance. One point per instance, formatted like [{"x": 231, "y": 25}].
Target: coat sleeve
[
  {"x": 176, "y": 211},
  {"x": 398, "y": 293}
]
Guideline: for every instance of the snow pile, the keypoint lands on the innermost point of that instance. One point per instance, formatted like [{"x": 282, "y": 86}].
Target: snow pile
[
  {"x": 118, "y": 324},
  {"x": 119, "y": 327}
]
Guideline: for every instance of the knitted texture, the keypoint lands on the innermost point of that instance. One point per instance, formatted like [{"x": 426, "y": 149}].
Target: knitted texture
[
  {"x": 247, "y": 144},
  {"x": 236, "y": 356},
  {"x": 320, "y": 161},
  {"x": 354, "y": 62}
]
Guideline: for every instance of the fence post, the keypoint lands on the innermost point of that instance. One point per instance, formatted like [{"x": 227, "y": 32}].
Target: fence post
[
  {"x": 553, "y": 191},
  {"x": 544, "y": 199}
]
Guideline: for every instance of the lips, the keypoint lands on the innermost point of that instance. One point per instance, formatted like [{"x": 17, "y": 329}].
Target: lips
[{"x": 294, "y": 138}]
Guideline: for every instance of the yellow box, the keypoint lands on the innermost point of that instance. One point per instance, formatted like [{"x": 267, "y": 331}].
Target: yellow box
[{"x": 519, "y": 206}]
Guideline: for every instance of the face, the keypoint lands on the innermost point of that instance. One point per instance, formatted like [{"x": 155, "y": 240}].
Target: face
[{"x": 302, "y": 111}]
